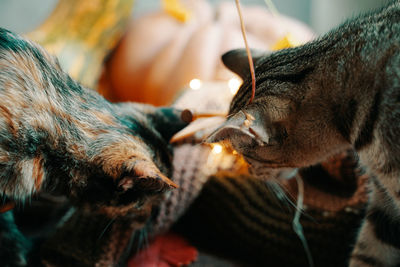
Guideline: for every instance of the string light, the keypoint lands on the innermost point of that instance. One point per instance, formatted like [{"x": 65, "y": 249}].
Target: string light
[
  {"x": 234, "y": 85},
  {"x": 217, "y": 149},
  {"x": 195, "y": 84}
]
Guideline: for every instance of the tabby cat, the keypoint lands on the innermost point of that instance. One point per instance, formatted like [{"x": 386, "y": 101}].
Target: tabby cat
[
  {"x": 339, "y": 91},
  {"x": 58, "y": 136}
]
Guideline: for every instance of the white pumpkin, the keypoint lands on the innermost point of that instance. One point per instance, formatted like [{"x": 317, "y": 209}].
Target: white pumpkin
[{"x": 159, "y": 55}]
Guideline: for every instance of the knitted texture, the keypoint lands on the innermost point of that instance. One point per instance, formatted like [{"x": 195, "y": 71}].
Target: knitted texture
[
  {"x": 193, "y": 165},
  {"x": 245, "y": 218},
  {"x": 88, "y": 240},
  {"x": 242, "y": 218},
  {"x": 227, "y": 211},
  {"x": 194, "y": 162}
]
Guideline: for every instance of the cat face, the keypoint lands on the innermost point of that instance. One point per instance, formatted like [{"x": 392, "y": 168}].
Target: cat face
[{"x": 287, "y": 124}]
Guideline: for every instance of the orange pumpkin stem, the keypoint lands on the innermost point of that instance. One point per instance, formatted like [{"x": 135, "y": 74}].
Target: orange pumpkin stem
[
  {"x": 190, "y": 115},
  {"x": 250, "y": 58}
]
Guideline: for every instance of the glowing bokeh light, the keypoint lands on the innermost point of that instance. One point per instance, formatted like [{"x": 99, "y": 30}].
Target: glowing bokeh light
[
  {"x": 217, "y": 149},
  {"x": 195, "y": 84},
  {"x": 234, "y": 84}
]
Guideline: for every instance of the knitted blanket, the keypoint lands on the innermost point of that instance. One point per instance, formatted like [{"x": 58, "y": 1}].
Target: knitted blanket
[
  {"x": 227, "y": 211},
  {"x": 87, "y": 239},
  {"x": 241, "y": 218}
]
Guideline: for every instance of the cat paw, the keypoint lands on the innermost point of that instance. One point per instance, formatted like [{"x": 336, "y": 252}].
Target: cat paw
[
  {"x": 133, "y": 190},
  {"x": 146, "y": 178},
  {"x": 143, "y": 184}
]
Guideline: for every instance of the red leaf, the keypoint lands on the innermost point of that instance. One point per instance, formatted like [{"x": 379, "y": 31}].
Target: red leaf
[{"x": 166, "y": 251}]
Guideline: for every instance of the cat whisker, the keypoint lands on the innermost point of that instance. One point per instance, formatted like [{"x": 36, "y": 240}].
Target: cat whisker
[
  {"x": 128, "y": 249},
  {"x": 285, "y": 196},
  {"x": 105, "y": 228},
  {"x": 280, "y": 194},
  {"x": 141, "y": 241},
  {"x": 297, "y": 227},
  {"x": 146, "y": 237}
]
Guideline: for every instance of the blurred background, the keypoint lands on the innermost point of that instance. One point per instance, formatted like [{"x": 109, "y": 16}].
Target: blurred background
[
  {"x": 320, "y": 15},
  {"x": 161, "y": 52}
]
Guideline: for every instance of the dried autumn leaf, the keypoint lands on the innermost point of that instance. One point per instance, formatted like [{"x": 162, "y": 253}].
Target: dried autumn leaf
[{"x": 166, "y": 250}]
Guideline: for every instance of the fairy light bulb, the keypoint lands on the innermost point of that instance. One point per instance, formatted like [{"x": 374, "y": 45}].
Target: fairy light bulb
[
  {"x": 195, "y": 84},
  {"x": 217, "y": 149},
  {"x": 234, "y": 84}
]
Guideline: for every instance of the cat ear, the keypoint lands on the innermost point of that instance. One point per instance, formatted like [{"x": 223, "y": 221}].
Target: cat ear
[
  {"x": 243, "y": 125},
  {"x": 237, "y": 61}
]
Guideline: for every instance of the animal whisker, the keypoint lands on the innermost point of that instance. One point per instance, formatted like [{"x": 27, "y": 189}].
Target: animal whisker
[
  {"x": 297, "y": 227},
  {"x": 106, "y": 227}
]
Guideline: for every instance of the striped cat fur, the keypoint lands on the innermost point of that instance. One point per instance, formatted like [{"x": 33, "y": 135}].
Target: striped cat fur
[{"x": 337, "y": 92}]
